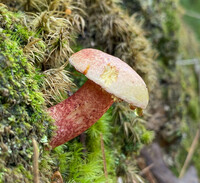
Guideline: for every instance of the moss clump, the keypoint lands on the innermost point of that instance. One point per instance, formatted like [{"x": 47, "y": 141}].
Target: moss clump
[
  {"x": 56, "y": 29},
  {"x": 160, "y": 20},
  {"x": 22, "y": 110},
  {"x": 84, "y": 163},
  {"x": 11, "y": 24}
]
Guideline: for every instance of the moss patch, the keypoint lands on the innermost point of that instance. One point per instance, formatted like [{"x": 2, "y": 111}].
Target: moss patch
[
  {"x": 22, "y": 110},
  {"x": 83, "y": 163}
]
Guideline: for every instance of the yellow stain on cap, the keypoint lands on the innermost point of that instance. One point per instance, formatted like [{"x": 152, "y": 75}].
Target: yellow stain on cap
[{"x": 109, "y": 74}]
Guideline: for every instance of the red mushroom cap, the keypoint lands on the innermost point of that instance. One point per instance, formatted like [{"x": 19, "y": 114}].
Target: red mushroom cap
[{"x": 113, "y": 75}]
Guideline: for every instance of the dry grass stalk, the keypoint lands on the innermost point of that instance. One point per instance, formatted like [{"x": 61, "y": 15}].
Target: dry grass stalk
[
  {"x": 56, "y": 23},
  {"x": 35, "y": 161},
  {"x": 35, "y": 50},
  {"x": 104, "y": 158},
  {"x": 132, "y": 175},
  {"x": 190, "y": 153}
]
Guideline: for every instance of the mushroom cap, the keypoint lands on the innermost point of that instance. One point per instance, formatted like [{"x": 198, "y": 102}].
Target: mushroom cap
[{"x": 113, "y": 75}]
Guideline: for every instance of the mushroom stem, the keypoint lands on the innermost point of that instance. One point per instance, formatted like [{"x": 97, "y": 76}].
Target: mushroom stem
[{"x": 80, "y": 111}]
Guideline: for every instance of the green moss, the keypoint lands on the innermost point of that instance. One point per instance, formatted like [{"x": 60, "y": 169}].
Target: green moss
[
  {"x": 84, "y": 164},
  {"x": 193, "y": 108},
  {"x": 11, "y": 24},
  {"x": 22, "y": 109},
  {"x": 103, "y": 128},
  {"x": 147, "y": 137}
]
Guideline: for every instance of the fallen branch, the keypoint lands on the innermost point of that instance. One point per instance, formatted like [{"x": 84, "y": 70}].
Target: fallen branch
[{"x": 153, "y": 154}]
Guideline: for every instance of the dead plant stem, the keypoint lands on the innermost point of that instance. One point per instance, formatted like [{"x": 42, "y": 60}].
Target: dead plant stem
[
  {"x": 190, "y": 153},
  {"x": 104, "y": 158},
  {"x": 35, "y": 161}
]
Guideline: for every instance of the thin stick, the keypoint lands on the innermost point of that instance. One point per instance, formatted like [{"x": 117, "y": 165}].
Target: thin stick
[
  {"x": 193, "y": 15},
  {"x": 104, "y": 158},
  {"x": 190, "y": 153},
  {"x": 35, "y": 161},
  {"x": 146, "y": 169}
]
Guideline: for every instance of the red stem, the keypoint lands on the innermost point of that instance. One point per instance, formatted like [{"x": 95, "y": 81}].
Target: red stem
[{"x": 80, "y": 111}]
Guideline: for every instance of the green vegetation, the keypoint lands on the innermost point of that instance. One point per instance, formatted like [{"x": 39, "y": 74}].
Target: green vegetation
[
  {"x": 189, "y": 77},
  {"x": 34, "y": 72},
  {"x": 70, "y": 159},
  {"x": 173, "y": 39},
  {"x": 22, "y": 105},
  {"x": 84, "y": 163}
]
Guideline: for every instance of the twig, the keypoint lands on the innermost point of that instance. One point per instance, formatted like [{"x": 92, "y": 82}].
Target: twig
[
  {"x": 35, "y": 161},
  {"x": 192, "y": 14},
  {"x": 146, "y": 169},
  {"x": 30, "y": 44},
  {"x": 190, "y": 153},
  {"x": 104, "y": 158},
  {"x": 193, "y": 61}
]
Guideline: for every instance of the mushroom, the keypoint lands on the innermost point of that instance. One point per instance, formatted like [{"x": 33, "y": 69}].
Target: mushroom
[{"x": 108, "y": 78}]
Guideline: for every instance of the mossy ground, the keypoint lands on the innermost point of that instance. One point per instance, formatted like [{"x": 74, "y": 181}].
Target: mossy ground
[
  {"x": 23, "y": 115},
  {"x": 80, "y": 162},
  {"x": 173, "y": 39},
  {"x": 26, "y": 57},
  {"x": 24, "y": 79}
]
